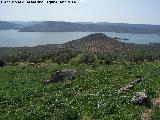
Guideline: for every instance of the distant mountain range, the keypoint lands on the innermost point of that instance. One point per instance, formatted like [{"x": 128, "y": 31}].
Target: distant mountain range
[
  {"x": 8, "y": 25},
  {"x": 61, "y": 26},
  {"x": 53, "y": 26},
  {"x": 25, "y": 23}
]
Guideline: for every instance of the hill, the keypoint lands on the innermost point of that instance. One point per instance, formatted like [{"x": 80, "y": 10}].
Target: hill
[
  {"x": 8, "y": 25},
  {"x": 60, "y": 26},
  {"x": 94, "y": 43},
  {"x": 26, "y": 23},
  {"x": 108, "y": 50},
  {"x": 98, "y": 43}
]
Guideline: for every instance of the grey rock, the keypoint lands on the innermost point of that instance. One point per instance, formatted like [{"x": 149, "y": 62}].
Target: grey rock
[
  {"x": 129, "y": 86},
  {"x": 139, "y": 98},
  {"x": 62, "y": 75}
]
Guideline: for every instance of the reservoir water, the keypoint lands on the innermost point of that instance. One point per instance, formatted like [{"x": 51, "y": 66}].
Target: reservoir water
[{"x": 13, "y": 38}]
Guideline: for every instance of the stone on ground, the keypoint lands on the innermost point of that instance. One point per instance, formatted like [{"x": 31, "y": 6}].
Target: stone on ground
[
  {"x": 62, "y": 75},
  {"x": 139, "y": 98}
]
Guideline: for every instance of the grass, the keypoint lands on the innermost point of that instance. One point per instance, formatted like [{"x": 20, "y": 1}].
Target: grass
[
  {"x": 90, "y": 96},
  {"x": 156, "y": 114}
]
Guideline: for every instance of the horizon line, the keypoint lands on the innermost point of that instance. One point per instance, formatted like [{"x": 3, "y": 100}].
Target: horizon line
[{"x": 94, "y": 22}]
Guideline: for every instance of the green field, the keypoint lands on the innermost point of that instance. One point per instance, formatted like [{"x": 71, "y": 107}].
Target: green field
[{"x": 90, "y": 96}]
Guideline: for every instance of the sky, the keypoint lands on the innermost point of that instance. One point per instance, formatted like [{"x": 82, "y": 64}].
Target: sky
[{"x": 114, "y": 11}]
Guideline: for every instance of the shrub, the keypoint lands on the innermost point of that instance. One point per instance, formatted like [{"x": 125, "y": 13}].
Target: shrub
[
  {"x": 84, "y": 58},
  {"x": 74, "y": 61},
  {"x": 35, "y": 60},
  {"x": 2, "y": 63},
  {"x": 64, "y": 56},
  {"x": 106, "y": 59},
  {"x": 87, "y": 58}
]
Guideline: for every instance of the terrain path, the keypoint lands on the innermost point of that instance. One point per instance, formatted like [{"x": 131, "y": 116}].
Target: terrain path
[{"x": 146, "y": 114}]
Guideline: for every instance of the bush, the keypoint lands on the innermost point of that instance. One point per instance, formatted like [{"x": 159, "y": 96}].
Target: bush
[
  {"x": 64, "y": 56},
  {"x": 84, "y": 58},
  {"x": 137, "y": 56},
  {"x": 35, "y": 60},
  {"x": 74, "y": 61},
  {"x": 106, "y": 59},
  {"x": 2, "y": 63},
  {"x": 87, "y": 58}
]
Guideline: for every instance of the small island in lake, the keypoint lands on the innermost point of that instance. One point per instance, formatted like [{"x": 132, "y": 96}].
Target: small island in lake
[{"x": 126, "y": 39}]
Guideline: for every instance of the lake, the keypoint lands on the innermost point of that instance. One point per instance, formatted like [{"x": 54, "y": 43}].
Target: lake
[{"x": 13, "y": 38}]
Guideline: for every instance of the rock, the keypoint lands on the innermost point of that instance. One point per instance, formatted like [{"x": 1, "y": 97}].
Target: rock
[
  {"x": 129, "y": 86},
  {"x": 62, "y": 75},
  {"x": 139, "y": 98},
  {"x": 125, "y": 89}
]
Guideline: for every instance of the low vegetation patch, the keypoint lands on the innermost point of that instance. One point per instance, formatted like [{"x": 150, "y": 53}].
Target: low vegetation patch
[{"x": 90, "y": 95}]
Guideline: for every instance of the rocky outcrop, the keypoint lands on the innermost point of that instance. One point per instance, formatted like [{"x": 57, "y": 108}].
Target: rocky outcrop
[
  {"x": 139, "y": 98},
  {"x": 130, "y": 86},
  {"x": 62, "y": 75}
]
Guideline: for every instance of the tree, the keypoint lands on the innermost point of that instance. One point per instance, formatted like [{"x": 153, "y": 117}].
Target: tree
[
  {"x": 35, "y": 59},
  {"x": 87, "y": 58},
  {"x": 62, "y": 58},
  {"x": 106, "y": 59}
]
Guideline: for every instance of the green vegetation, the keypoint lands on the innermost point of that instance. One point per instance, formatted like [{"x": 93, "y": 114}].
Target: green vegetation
[
  {"x": 106, "y": 50},
  {"x": 156, "y": 114},
  {"x": 91, "y": 95},
  {"x": 84, "y": 58},
  {"x": 2, "y": 63},
  {"x": 103, "y": 64}
]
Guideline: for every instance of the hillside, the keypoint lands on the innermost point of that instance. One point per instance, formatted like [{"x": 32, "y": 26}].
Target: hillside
[
  {"x": 57, "y": 26},
  {"x": 98, "y": 43},
  {"x": 102, "y": 87},
  {"x": 90, "y": 96},
  {"x": 61, "y": 26},
  {"x": 50, "y": 26},
  {"x": 26, "y": 23},
  {"x": 101, "y": 43},
  {"x": 94, "y": 43},
  {"x": 8, "y": 25}
]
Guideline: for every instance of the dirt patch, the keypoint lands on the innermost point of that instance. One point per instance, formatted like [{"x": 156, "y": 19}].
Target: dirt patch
[
  {"x": 156, "y": 101},
  {"x": 146, "y": 114}
]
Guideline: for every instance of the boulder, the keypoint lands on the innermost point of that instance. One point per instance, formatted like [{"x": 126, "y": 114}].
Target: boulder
[
  {"x": 129, "y": 86},
  {"x": 62, "y": 75},
  {"x": 139, "y": 98}
]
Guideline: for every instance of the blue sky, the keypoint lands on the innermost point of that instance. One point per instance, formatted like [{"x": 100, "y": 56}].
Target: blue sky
[{"x": 115, "y": 11}]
